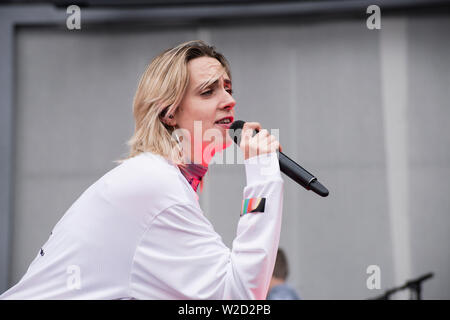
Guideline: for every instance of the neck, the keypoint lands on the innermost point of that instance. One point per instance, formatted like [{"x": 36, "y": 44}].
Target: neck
[
  {"x": 197, "y": 155},
  {"x": 194, "y": 171}
]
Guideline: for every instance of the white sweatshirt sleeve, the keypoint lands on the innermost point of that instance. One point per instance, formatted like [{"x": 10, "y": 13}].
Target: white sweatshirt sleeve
[{"x": 180, "y": 256}]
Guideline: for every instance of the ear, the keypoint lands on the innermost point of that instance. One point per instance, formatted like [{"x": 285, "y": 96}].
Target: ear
[
  {"x": 170, "y": 120},
  {"x": 167, "y": 119}
]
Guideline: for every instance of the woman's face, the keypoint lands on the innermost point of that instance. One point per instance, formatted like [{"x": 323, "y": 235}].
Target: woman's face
[{"x": 206, "y": 105}]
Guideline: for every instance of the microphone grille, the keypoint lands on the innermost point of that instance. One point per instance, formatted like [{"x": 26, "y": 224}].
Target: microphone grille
[
  {"x": 238, "y": 124},
  {"x": 235, "y": 131}
]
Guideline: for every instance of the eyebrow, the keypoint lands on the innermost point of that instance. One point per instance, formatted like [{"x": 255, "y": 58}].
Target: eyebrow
[{"x": 212, "y": 82}]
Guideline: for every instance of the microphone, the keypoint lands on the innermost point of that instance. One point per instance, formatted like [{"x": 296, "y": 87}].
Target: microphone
[{"x": 287, "y": 165}]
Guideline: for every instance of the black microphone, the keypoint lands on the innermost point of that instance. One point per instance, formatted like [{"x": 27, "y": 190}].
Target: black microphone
[{"x": 287, "y": 165}]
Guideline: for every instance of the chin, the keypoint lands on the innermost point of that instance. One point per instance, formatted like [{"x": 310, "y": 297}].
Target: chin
[{"x": 228, "y": 142}]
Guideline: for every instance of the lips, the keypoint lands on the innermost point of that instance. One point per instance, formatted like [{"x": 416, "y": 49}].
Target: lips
[
  {"x": 227, "y": 117},
  {"x": 224, "y": 125}
]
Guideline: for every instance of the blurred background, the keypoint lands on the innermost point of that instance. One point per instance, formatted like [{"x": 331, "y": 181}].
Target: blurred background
[{"x": 366, "y": 110}]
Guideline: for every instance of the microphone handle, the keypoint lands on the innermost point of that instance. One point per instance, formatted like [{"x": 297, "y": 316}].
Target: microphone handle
[{"x": 295, "y": 171}]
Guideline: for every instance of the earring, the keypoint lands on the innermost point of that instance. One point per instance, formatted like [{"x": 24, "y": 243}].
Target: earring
[
  {"x": 180, "y": 146},
  {"x": 176, "y": 136}
]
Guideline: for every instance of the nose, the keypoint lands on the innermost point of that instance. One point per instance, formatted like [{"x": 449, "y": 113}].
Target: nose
[{"x": 229, "y": 102}]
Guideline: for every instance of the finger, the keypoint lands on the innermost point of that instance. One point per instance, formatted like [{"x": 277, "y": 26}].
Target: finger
[
  {"x": 246, "y": 135},
  {"x": 263, "y": 133},
  {"x": 275, "y": 146},
  {"x": 249, "y": 127},
  {"x": 253, "y": 125},
  {"x": 265, "y": 140}
]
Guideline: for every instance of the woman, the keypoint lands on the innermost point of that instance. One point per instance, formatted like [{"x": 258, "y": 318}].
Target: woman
[{"x": 139, "y": 232}]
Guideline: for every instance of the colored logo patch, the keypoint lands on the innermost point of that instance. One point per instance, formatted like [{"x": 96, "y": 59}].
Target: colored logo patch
[{"x": 253, "y": 205}]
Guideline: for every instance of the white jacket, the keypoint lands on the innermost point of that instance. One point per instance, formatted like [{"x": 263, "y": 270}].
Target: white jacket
[{"x": 139, "y": 233}]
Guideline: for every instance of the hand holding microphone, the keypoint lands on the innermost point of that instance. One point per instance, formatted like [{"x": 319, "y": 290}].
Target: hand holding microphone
[
  {"x": 258, "y": 144},
  {"x": 263, "y": 143}
]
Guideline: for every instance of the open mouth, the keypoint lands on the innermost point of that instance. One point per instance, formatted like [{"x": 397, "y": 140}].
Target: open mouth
[{"x": 224, "y": 122}]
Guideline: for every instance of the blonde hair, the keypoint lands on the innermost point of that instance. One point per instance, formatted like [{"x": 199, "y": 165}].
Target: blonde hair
[{"x": 159, "y": 93}]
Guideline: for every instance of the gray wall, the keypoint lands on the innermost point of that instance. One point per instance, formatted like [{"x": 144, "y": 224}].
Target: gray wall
[{"x": 366, "y": 111}]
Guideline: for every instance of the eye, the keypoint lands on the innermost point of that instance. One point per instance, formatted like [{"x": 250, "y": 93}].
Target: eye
[
  {"x": 207, "y": 93},
  {"x": 230, "y": 91}
]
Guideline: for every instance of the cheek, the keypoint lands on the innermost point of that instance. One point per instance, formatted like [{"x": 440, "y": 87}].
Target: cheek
[
  {"x": 208, "y": 117},
  {"x": 196, "y": 110},
  {"x": 202, "y": 110},
  {"x": 209, "y": 112}
]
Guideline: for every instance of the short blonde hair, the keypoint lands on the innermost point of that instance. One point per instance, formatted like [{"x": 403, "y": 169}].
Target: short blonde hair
[{"x": 159, "y": 93}]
